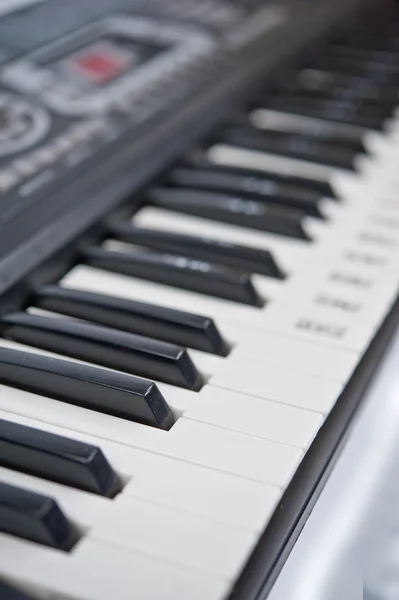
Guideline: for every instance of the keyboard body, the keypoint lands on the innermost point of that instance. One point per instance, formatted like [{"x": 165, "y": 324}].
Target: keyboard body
[{"x": 98, "y": 101}]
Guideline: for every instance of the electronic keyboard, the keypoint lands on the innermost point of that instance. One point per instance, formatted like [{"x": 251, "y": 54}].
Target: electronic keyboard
[{"x": 199, "y": 273}]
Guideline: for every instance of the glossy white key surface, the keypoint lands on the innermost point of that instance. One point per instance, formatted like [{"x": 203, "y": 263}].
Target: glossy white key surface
[
  {"x": 196, "y": 498},
  {"x": 175, "y": 537},
  {"x": 99, "y": 571},
  {"x": 272, "y": 383},
  {"x": 256, "y": 416},
  {"x": 298, "y": 355}
]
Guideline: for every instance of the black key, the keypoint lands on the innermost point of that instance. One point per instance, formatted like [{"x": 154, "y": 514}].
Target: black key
[
  {"x": 387, "y": 59},
  {"x": 177, "y": 327},
  {"x": 260, "y": 178},
  {"x": 374, "y": 70},
  {"x": 34, "y": 517},
  {"x": 347, "y": 136},
  {"x": 330, "y": 110},
  {"x": 105, "y": 391},
  {"x": 179, "y": 271},
  {"x": 126, "y": 352},
  {"x": 327, "y": 83},
  {"x": 249, "y": 186},
  {"x": 56, "y": 458},
  {"x": 244, "y": 258},
  {"x": 10, "y": 593},
  {"x": 292, "y": 145},
  {"x": 231, "y": 209}
]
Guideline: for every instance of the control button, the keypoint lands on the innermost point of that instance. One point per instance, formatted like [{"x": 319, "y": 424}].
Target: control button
[{"x": 21, "y": 124}]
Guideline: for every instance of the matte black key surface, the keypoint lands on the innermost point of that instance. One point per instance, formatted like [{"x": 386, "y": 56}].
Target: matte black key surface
[
  {"x": 245, "y": 258},
  {"x": 8, "y": 592},
  {"x": 179, "y": 271},
  {"x": 260, "y": 178},
  {"x": 326, "y": 83},
  {"x": 376, "y": 71},
  {"x": 329, "y": 110},
  {"x": 126, "y": 352},
  {"x": 56, "y": 458},
  {"x": 177, "y": 327},
  {"x": 379, "y": 106},
  {"x": 105, "y": 391},
  {"x": 231, "y": 209},
  {"x": 34, "y": 517},
  {"x": 291, "y": 145},
  {"x": 387, "y": 59},
  {"x": 249, "y": 186}
]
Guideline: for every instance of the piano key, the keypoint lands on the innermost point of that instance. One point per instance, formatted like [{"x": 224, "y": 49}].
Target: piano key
[
  {"x": 198, "y": 490},
  {"x": 168, "y": 325},
  {"x": 218, "y": 165},
  {"x": 272, "y": 382},
  {"x": 34, "y": 517},
  {"x": 246, "y": 182},
  {"x": 131, "y": 288},
  {"x": 168, "y": 535},
  {"x": 257, "y": 416},
  {"x": 330, "y": 110},
  {"x": 98, "y": 389},
  {"x": 379, "y": 72},
  {"x": 126, "y": 352},
  {"x": 231, "y": 209},
  {"x": 224, "y": 154},
  {"x": 84, "y": 509},
  {"x": 183, "y": 401},
  {"x": 309, "y": 358},
  {"x": 311, "y": 323},
  {"x": 178, "y": 484},
  {"x": 353, "y": 137},
  {"x": 323, "y": 82},
  {"x": 11, "y": 593},
  {"x": 292, "y": 252},
  {"x": 232, "y": 452},
  {"x": 304, "y": 147},
  {"x": 188, "y": 440},
  {"x": 87, "y": 574},
  {"x": 178, "y": 270},
  {"x": 299, "y": 355},
  {"x": 56, "y": 458},
  {"x": 363, "y": 55},
  {"x": 345, "y": 95},
  {"x": 249, "y": 186},
  {"x": 251, "y": 260}
]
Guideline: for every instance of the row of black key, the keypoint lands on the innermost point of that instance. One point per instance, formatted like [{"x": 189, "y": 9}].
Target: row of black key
[{"x": 148, "y": 340}]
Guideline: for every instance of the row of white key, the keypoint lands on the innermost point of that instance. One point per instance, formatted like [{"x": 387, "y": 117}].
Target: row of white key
[{"x": 197, "y": 496}]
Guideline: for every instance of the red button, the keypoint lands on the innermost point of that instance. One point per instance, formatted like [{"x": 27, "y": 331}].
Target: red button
[{"x": 99, "y": 65}]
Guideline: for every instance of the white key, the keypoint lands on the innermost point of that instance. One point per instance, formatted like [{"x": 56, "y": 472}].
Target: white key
[
  {"x": 276, "y": 383},
  {"x": 96, "y": 280},
  {"x": 239, "y": 157},
  {"x": 266, "y": 286},
  {"x": 97, "y": 571},
  {"x": 175, "y": 537},
  {"x": 83, "y": 509},
  {"x": 256, "y": 417},
  {"x": 180, "y": 485},
  {"x": 264, "y": 118},
  {"x": 299, "y": 355},
  {"x": 232, "y": 452},
  {"x": 188, "y": 440},
  {"x": 193, "y": 489},
  {"x": 289, "y": 252}
]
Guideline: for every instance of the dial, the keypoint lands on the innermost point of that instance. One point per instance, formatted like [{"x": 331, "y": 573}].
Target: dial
[{"x": 21, "y": 124}]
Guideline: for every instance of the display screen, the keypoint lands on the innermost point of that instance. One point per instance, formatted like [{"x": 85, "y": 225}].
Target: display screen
[{"x": 102, "y": 62}]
